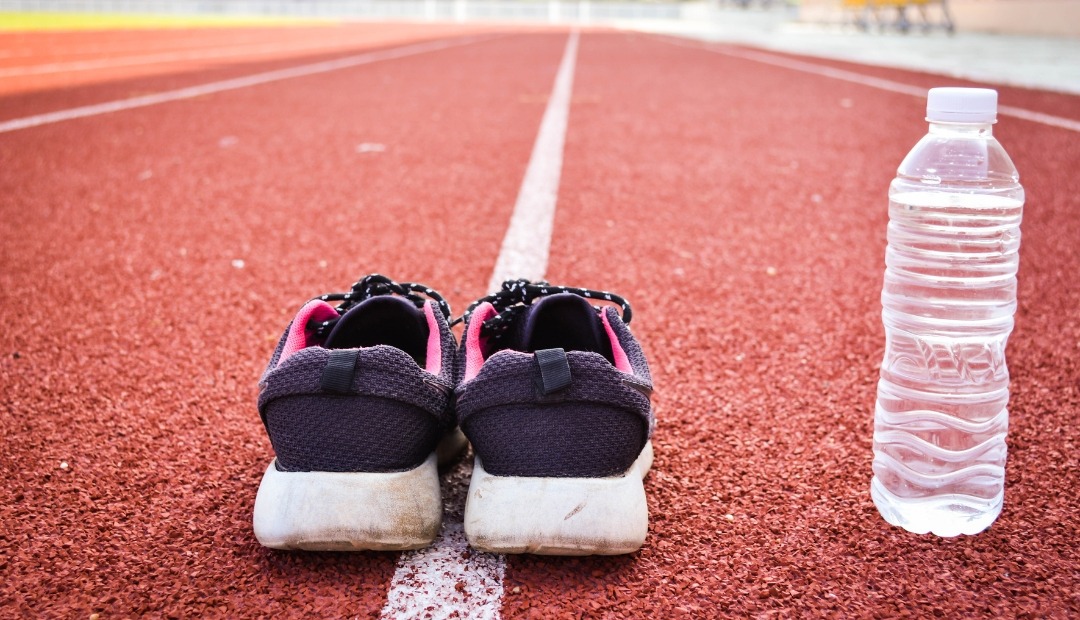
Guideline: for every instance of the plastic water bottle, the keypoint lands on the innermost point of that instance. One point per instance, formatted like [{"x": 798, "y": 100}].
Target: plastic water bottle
[{"x": 948, "y": 303}]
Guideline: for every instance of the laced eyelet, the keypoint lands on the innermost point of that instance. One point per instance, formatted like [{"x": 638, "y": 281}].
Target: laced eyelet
[
  {"x": 516, "y": 295},
  {"x": 374, "y": 285}
]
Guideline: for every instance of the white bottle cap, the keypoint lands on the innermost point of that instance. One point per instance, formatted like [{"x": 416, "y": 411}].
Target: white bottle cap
[{"x": 962, "y": 105}]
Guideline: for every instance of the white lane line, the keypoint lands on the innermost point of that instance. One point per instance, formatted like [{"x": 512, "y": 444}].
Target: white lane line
[
  {"x": 869, "y": 80},
  {"x": 524, "y": 251},
  {"x": 235, "y": 83},
  {"x": 448, "y": 579},
  {"x": 1039, "y": 117}
]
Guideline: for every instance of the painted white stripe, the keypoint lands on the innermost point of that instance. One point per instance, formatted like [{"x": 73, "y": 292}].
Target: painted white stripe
[
  {"x": 235, "y": 83},
  {"x": 1039, "y": 117},
  {"x": 524, "y": 252},
  {"x": 869, "y": 80},
  {"x": 824, "y": 70},
  {"x": 448, "y": 579}
]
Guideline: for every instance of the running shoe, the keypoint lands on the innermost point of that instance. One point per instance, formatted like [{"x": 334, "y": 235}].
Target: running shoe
[
  {"x": 554, "y": 395},
  {"x": 357, "y": 401}
]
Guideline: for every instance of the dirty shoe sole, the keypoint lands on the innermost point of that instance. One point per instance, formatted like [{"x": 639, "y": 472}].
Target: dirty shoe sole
[
  {"x": 558, "y": 516},
  {"x": 344, "y": 511}
]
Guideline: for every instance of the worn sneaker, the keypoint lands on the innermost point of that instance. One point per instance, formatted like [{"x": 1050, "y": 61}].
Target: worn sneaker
[
  {"x": 554, "y": 397},
  {"x": 356, "y": 400}
]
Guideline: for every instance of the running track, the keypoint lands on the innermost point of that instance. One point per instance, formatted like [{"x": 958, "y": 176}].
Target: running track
[{"x": 149, "y": 258}]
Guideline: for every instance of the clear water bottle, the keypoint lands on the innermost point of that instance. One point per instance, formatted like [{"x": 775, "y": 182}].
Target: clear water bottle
[{"x": 948, "y": 303}]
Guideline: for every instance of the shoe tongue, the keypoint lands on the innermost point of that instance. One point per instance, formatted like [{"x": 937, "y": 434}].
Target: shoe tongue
[
  {"x": 384, "y": 320},
  {"x": 564, "y": 321}
]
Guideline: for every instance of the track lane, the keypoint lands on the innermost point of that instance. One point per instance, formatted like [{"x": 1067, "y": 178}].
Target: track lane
[
  {"x": 137, "y": 360},
  {"x": 40, "y": 47},
  {"x": 54, "y": 45},
  {"x": 1004, "y": 109},
  {"x": 741, "y": 208},
  {"x": 1046, "y": 102},
  {"x": 448, "y": 579},
  {"x": 246, "y": 81},
  {"x": 148, "y": 54},
  {"x": 56, "y": 100},
  {"x": 119, "y": 295}
]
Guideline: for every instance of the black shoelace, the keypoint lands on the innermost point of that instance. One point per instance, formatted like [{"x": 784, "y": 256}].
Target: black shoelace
[
  {"x": 373, "y": 285},
  {"x": 516, "y": 295}
]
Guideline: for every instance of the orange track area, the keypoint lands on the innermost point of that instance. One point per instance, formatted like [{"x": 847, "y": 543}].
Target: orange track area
[
  {"x": 42, "y": 61},
  {"x": 740, "y": 207}
]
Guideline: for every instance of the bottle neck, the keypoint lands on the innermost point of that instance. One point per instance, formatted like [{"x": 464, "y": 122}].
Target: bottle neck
[{"x": 965, "y": 130}]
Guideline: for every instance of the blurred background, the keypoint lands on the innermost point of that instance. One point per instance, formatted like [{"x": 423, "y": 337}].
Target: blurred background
[
  {"x": 1018, "y": 17},
  {"x": 1026, "y": 43}
]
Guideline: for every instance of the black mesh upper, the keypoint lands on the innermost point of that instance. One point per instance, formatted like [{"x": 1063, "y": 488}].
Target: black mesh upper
[
  {"x": 348, "y": 433},
  {"x": 391, "y": 421},
  {"x": 557, "y": 440},
  {"x": 595, "y": 427}
]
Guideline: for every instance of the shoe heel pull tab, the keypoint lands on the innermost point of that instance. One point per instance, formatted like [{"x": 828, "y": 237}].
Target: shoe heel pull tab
[
  {"x": 337, "y": 377},
  {"x": 552, "y": 371}
]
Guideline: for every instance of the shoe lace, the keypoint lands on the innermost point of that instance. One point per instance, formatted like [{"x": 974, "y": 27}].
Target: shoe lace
[
  {"x": 512, "y": 299},
  {"x": 376, "y": 284}
]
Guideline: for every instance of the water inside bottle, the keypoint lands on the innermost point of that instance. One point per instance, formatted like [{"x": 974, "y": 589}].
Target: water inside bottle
[{"x": 941, "y": 415}]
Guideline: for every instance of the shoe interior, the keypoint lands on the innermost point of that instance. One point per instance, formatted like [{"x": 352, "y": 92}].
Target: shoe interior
[
  {"x": 565, "y": 321},
  {"x": 383, "y": 320}
]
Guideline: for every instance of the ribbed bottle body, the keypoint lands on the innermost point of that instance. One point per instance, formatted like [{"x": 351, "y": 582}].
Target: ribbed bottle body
[{"x": 948, "y": 302}]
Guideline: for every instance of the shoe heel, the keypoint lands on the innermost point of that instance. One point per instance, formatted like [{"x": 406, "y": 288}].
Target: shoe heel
[
  {"x": 344, "y": 511},
  {"x": 558, "y": 516}
]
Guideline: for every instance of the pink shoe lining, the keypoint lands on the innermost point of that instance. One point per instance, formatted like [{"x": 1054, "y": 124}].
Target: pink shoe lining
[
  {"x": 621, "y": 361},
  {"x": 317, "y": 310},
  {"x": 434, "y": 341},
  {"x": 314, "y": 310},
  {"x": 474, "y": 354},
  {"x": 474, "y": 346}
]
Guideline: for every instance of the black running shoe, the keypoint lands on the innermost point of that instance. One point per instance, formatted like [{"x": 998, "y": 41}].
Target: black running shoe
[{"x": 356, "y": 400}]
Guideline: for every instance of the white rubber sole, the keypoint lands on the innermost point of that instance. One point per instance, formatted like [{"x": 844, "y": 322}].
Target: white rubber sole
[
  {"x": 558, "y": 516},
  {"x": 332, "y": 511}
]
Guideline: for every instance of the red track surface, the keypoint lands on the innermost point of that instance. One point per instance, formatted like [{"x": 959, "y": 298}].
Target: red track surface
[
  {"x": 741, "y": 208},
  {"x": 50, "y": 60}
]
